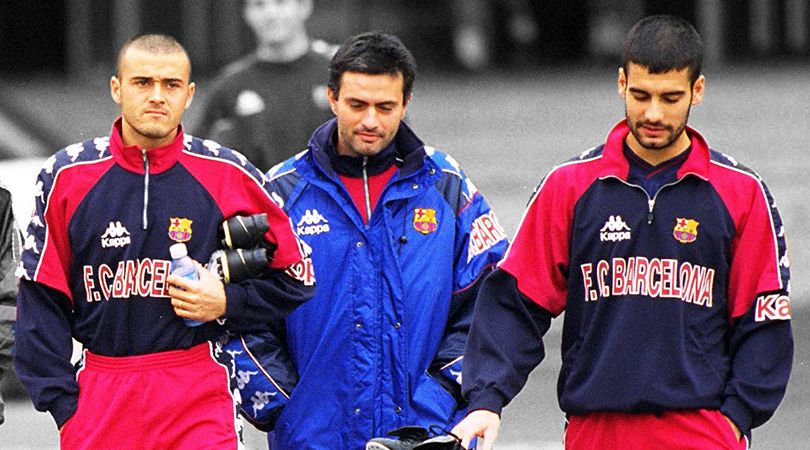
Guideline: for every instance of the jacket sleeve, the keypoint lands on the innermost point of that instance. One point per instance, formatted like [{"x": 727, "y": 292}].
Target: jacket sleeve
[
  {"x": 517, "y": 301},
  {"x": 480, "y": 244},
  {"x": 761, "y": 341},
  {"x": 240, "y": 189},
  {"x": 504, "y": 345},
  {"x": 42, "y": 350},
  {"x": 271, "y": 298},
  {"x": 256, "y": 304},
  {"x": 43, "y": 329}
]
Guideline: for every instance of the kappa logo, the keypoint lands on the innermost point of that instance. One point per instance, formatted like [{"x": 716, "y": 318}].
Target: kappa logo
[
  {"x": 772, "y": 307},
  {"x": 312, "y": 223},
  {"x": 116, "y": 235},
  {"x": 614, "y": 230}
]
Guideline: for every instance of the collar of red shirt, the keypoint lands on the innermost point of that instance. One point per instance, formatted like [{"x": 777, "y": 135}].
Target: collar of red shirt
[
  {"x": 615, "y": 163},
  {"x": 131, "y": 157}
]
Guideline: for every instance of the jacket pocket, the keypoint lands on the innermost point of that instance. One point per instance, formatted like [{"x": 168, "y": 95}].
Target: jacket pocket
[{"x": 432, "y": 404}]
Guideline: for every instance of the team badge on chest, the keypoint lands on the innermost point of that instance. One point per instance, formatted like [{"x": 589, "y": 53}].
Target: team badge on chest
[
  {"x": 685, "y": 230},
  {"x": 424, "y": 220},
  {"x": 179, "y": 229}
]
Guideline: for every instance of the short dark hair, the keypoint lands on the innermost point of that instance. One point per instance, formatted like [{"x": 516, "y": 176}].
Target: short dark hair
[
  {"x": 663, "y": 43},
  {"x": 373, "y": 53},
  {"x": 152, "y": 43}
]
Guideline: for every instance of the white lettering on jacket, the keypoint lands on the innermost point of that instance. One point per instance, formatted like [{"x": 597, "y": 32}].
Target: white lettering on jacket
[
  {"x": 131, "y": 278},
  {"x": 650, "y": 277}
]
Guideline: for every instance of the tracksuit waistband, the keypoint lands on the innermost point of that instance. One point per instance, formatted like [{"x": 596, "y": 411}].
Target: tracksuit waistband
[{"x": 160, "y": 360}]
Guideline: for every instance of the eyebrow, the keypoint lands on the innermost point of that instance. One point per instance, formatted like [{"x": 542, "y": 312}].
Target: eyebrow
[
  {"x": 636, "y": 90},
  {"x": 146, "y": 77},
  {"x": 385, "y": 102}
]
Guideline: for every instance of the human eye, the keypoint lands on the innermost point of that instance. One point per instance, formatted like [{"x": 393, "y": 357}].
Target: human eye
[
  {"x": 672, "y": 98},
  {"x": 141, "y": 82}
]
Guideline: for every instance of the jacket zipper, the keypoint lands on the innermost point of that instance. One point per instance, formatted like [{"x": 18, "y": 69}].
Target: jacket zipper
[
  {"x": 145, "y": 187},
  {"x": 650, "y": 201},
  {"x": 366, "y": 192}
]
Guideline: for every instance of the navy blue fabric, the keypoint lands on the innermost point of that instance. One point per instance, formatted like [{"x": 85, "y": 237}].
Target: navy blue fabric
[
  {"x": 129, "y": 323},
  {"x": 630, "y": 350}
]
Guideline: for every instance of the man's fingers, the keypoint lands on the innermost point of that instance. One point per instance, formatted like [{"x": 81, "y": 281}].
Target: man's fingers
[
  {"x": 487, "y": 441},
  {"x": 180, "y": 282}
]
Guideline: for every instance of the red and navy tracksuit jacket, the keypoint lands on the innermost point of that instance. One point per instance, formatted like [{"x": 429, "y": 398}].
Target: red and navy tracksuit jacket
[
  {"x": 96, "y": 257},
  {"x": 673, "y": 300}
]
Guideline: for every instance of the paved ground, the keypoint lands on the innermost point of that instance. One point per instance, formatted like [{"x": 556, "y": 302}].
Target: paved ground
[{"x": 507, "y": 131}]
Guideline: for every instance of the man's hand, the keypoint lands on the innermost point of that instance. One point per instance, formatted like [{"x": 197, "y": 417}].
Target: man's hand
[
  {"x": 202, "y": 300},
  {"x": 479, "y": 423},
  {"x": 734, "y": 427}
]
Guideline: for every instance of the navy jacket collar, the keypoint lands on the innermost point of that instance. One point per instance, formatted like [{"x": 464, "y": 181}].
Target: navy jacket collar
[{"x": 406, "y": 150}]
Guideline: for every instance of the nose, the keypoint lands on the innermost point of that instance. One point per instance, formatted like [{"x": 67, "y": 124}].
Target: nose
[
  {"x": 654, "y": 112},
  {"x": 370, "y": 119},
  {"x": 157, "y": 93}
]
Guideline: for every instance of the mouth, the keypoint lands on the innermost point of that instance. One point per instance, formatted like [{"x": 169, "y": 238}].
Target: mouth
[
  {"x": 652, "y": 130},
  {"x": 156, "y": 113},
  {"x": 368, "y": 137}
]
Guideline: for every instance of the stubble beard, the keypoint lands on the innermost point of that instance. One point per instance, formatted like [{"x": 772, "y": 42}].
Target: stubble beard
[{"x": 674, "y": 133}]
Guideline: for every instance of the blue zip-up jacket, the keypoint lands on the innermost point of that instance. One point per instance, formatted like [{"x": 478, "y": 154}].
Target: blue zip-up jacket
[
  {"x": 394, "y": 298},
  {"x": 96, "y": 256},
  {"x": 676, "y": 300}
]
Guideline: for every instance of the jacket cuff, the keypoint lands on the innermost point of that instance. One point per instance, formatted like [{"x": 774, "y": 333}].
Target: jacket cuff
[
  {"x": 64, "y": 409},
  {"x": 739, "y": 413},
  {"x": 488, "y": 400},
  {"x": 235, "y": 300}
]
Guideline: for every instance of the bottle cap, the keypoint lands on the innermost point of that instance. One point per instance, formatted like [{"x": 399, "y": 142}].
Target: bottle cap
[{"x": 178, "y": 250}]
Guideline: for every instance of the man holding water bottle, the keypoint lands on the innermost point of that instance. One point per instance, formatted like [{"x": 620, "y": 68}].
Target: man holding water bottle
[{"x": 96, "y": 268}]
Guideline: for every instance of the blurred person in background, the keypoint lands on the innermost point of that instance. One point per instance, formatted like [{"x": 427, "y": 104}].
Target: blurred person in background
[
  {"x": 401, "y": 240},
  {"x": 96, "y": 267},
  {"x": 670, "y": 262},
  {"x": 9, "y": 255},
  {"x": 475, "y": 29},
  {"x": 266, "y": 104}
]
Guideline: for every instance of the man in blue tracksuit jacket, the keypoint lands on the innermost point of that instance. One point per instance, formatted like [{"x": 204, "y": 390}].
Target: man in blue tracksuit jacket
[{"x": 401, "y": 239}]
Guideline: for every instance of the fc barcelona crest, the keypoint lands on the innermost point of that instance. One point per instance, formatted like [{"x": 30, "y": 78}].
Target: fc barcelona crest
[
  {"x": 424, "y": 220},
  {"x": 685, "y": 230},
  {"x": 179, "y": 229}
]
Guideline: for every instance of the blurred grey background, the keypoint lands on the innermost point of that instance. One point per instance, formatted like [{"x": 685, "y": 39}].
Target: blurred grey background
[{"x": 508, "y": 87}]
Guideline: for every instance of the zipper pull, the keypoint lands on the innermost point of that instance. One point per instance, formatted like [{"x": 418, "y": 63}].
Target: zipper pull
[
  {"x": 366, "y": 192},
  {"x": 650, "y": 215},
  {"x": 145, "y": 187}
]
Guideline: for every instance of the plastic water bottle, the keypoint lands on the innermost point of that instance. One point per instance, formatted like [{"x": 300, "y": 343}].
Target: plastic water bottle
[{"x": 183, "y": 266}]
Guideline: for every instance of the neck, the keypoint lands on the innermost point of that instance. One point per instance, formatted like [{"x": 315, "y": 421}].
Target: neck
[
  {"x": 284, "y": 51},
  {"x": 655, "y": 156}
]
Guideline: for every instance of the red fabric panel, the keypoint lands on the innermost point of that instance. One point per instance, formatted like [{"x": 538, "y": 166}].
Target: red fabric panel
[
  {"x": 539, "y": 255},
  {"x": 237, "y": 193},
  {"x": 376, "y": 184},
  {"x": 755, "y": 260},
  {"x": 71, "y": 185}
]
